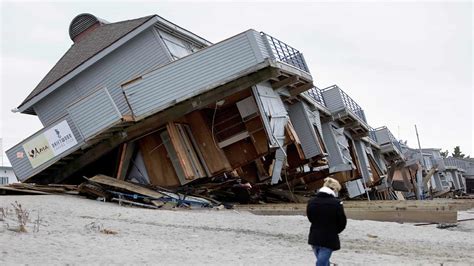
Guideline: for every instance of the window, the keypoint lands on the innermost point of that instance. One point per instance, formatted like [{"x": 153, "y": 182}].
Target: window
[
  {"x": 177, "y": 47},
  {"x": 3, "y": 180}
]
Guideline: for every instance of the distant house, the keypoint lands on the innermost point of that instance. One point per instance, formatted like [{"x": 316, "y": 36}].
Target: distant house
[{"x": 7, "y": 176}]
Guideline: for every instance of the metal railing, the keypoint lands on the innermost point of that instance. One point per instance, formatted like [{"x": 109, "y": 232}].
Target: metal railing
[
  {"x": 316, "y": 94},
  {"x": 352, "y": 105},
  {"x": 285, "y": 53},
  {"x": 349, "y": 102},
  {"x": 453, "y": 162},
  {"x": 372, "y": 135}
]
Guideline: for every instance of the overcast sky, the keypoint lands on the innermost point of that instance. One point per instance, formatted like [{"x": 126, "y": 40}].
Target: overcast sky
[{"x": 404, "y": 63}]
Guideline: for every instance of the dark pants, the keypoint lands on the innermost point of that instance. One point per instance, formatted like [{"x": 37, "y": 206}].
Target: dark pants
[{"x": 322, "y": 255}]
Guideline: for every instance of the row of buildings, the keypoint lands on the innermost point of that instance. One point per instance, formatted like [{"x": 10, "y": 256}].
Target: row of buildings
[{"x": 148, "y": 101}]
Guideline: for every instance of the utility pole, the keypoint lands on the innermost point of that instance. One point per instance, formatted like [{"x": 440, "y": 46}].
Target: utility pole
[{"x": 420, "y": 177}]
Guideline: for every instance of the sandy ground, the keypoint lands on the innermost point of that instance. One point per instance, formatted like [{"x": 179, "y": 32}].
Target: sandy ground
[{"x": 212, "y": 237}]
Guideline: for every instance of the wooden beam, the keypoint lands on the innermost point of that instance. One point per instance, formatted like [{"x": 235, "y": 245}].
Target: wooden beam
[
  {"x": 427, "y": 177},
  {"x": 112, "y": 182},
  {"x": 285, "y": 82},
  {"x": 413, "y": 211},
  {"x": 180, "y": 149},
  {"x": 403, "y": 216},
  {"x": 125, "y": 159},
  {"x": 150, "y": 124},
  {"x": 295, "y": 139},
  {"x": 300, "y": 89}
]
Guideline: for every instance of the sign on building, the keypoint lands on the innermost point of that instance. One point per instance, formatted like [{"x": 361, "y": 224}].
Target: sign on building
[{"x": 49, "y": 144}]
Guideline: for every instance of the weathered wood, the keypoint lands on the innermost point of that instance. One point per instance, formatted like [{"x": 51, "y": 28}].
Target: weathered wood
[
  {"x": 150, "y": 124},
  {"x": 126, "y": 153},
  {"x": 285, "y": 82},
  {"x": 300, "y": 89},
  {"x": 180, "y": 149},
  {"x": 214, "y": 156},
  {"x": 15, "y": 191},
  {"x": 112, "y": 182},
  {"x": 258, "y": 134},
  {"x": 428, "y": 175},
  {"x": 295, "y": 139},
  {"x": 448, "y": 214},
  {"x": 158, "y": 165},
  {"x": 403, "y": 216},
  {"x": 240, "y": 153},
  {"x": 138, "y": 204}
]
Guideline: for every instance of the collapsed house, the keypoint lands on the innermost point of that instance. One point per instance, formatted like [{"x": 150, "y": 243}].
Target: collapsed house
[
  {"x": 147, "y": 101},
  {"x": 425, "y": 173}
]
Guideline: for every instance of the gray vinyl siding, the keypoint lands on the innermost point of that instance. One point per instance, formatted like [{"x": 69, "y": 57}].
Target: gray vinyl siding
[
  {"x": 261, "y": 44},
  {"x": 192, "y": 75},
  {"x": 273, "y": 113},
  {"x": 22, "y": 166},
  {"x": 333, "y": 99},
  {"x": 141, "y": 54},
  {"x": 304, "y": 129},
  {"x": 53, "y": 108},
  {"x": 382, "y": 136},
  {"x": 89, "y": 119},
  {"x": 315, "y": 119},
  {"x": 379, "y": 160},
  {"x": 336, "y": 160},
  {"x": 363, "y": 160}
]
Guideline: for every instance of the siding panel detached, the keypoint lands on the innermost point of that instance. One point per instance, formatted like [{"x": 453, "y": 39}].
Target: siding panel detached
[
  {"x": 88, "y": 120},
  {"x": 305, "y": 129},
  {"x": 332, "y": 98}
]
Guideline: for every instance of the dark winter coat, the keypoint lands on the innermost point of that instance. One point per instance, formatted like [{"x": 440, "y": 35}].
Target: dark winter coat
[{"x": 327, "y": 217}]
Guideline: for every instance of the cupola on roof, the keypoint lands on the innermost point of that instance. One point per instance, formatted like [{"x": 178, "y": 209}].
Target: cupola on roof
[{"x": 83, "y": 22}]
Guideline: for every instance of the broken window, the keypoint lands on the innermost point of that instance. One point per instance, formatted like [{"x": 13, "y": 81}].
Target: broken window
[{"x": 178, "y": 48}]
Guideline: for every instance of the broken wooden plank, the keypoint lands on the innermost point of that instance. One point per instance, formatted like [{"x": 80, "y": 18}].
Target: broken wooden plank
[
  {"x": 285, "y": 82},
  {"x": 120, "y": 201},
  {"x": 403, "y": 216},
  {"x": 213, "y": 155},
  {"x": 112, "y": 182},
  {"x": 290, "y": 130},
  {"x": 300, "y": 89},
  {"x": 126, "y": 155},
  {"x": 180, "y": 149},
  {"x": 5, "y": 190}
]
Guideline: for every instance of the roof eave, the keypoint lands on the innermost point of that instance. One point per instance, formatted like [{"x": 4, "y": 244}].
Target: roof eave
[{"x": 183, "y": 31}]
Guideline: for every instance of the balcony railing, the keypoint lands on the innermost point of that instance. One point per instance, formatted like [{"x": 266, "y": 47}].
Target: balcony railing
[
  {"x": 285, "y": 53},
  {"x": 316, "y": 94},
  {"x": 352, "y": 105},
  {"x": 337, "y": 99},
  {"x": 453, "y": 162},
  {"x": 372, "y": 134}
]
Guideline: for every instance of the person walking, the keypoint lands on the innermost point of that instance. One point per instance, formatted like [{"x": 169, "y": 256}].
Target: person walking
[{"x": 327, "y": 217}]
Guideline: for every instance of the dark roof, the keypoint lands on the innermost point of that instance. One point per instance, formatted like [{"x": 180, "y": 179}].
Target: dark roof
[{"x": 84, "y": 49}]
